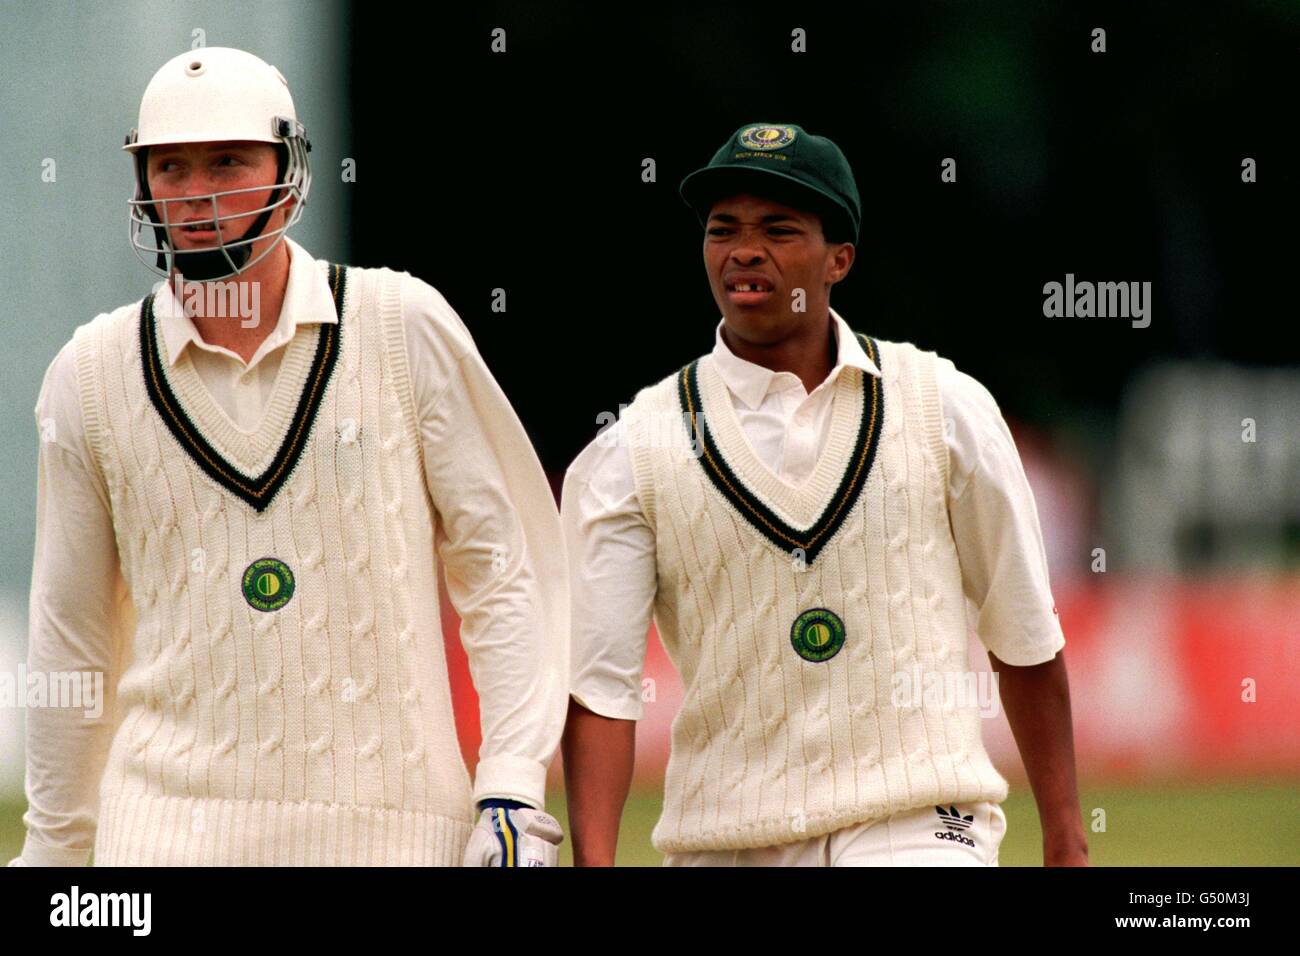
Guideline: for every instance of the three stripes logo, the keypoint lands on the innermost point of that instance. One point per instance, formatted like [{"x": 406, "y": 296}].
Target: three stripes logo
[{"x": 955, "y": 825}]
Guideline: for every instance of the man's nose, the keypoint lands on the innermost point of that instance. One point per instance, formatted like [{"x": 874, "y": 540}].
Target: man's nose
[
  {"x": 193, "y": 199},
  {"x": 198, "y": 185},
  {"x": 200, "y": 188},
  {"x": 748, "y": 253}
]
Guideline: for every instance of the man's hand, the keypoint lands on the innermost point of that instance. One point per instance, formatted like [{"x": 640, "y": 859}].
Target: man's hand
[
  {"x": 1058, "y": 853},
  {"x": 510, "y": 833}
]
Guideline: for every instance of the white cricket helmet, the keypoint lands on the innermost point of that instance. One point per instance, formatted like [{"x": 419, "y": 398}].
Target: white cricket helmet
[{"x": 215, "y": 94}]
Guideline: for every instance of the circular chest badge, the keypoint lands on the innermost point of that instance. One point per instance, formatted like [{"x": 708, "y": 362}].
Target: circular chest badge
[
  {"x": 767, "y": 137},
  {"x": 817, "y": 635},
  {"x": 268, "y": 584}
]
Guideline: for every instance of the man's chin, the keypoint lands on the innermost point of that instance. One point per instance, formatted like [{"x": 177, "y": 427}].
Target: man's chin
[{"x": 756, "y": 326}]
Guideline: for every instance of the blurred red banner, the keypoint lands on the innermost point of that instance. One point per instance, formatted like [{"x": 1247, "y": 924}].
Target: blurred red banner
[{"x": 1168, "y": 677}]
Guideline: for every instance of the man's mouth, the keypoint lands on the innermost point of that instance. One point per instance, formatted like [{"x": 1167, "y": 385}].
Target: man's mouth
[{"x": 749, "y": 290}]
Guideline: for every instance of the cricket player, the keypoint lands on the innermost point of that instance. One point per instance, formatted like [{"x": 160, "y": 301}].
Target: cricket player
[
  {"x": 809, "y": 513},
  {"x": 242, "y": 514}
]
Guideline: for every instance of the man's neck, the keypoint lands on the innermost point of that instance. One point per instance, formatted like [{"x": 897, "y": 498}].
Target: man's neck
[
  {"x": 262, "y": 287},
  {"x": 809, "y": 353}
]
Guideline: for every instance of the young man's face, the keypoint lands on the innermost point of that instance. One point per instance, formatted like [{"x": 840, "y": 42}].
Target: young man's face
[
  {"x": 196, "y": 169},
  {"x": 758, "y": 252}
]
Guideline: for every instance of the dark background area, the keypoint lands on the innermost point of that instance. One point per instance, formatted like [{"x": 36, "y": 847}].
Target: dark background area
[{"x": 522, "y": 171}]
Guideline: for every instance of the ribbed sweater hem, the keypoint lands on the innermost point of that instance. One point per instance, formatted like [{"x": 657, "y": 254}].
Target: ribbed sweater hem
[
  {"x": 770, "y": 830},
  {"x": 138, "y": 829}
]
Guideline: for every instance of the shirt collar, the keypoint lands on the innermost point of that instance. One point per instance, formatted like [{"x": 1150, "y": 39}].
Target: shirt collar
[
  {"x": 307, "y": 300},
  {"x": 751, "y": 383}
]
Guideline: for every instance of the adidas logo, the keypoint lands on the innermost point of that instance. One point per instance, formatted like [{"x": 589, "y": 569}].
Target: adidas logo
[
  {"x": 955, "y": 824},
  {"x": 953, "y": 819}
]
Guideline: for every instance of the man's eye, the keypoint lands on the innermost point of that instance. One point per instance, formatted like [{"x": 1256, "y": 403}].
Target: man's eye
[
  {"x": 781, "y": 231},
  {"x": 233, "y": 159},
  {"x": 719, "y": 231}
]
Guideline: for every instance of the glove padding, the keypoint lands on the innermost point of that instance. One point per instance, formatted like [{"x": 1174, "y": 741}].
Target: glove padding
[{"x": 511, "y": 834}]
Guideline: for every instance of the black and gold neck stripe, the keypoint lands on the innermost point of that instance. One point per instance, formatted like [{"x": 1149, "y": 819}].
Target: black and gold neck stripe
[
  {"x": 256, "y": 490},
  {"x": 764, "y": 520}
]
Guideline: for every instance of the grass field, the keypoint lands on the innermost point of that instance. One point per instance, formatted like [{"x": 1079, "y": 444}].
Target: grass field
[{"x": 1252, "y": 824}]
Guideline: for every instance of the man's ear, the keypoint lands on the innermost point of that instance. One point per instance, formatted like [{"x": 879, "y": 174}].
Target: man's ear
[{"x": 840, "y": 263}]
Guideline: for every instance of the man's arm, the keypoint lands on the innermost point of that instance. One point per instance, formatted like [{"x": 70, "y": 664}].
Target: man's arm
[
  {"x": 1004, "y": 575},
  {"x": 1037, "y": 703},
  {"x": 612, "y": 575},
  {"x": 599, "y": 754},
  {"x": 501, "y": 548},
  {"x": 76, "y": 596}
]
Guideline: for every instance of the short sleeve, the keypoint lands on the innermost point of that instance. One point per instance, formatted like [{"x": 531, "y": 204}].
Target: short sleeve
[
  {"x": 995, "y": 527},
  {"x": 612, "y": 574}
]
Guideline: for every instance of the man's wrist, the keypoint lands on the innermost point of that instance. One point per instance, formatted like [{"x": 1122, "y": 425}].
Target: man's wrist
[
  {"x": 36, "y": 853},
  {"x": 492, "y": 803},
  {"x": 1063, "y": 816},
  {"x": 592, "y": 859}
]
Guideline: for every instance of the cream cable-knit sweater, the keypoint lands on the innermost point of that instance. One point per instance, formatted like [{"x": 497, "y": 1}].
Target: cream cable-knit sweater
[
  {"x": 321, "y": 732},
  {"x": 769, "y": 746}
]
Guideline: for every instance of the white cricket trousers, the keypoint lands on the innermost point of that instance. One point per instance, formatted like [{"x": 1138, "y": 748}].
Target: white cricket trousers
[{"x": 929, "y": 836}]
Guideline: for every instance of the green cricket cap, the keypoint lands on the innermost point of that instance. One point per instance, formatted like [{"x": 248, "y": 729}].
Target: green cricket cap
[{"x": 782, "y": 162}]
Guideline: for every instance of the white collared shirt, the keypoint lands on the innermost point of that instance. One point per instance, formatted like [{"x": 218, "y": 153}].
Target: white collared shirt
[
  {"x": 611, "y": 546},
  {"x": 459, "y": 406},
  {"x": 242, "y": 390}
]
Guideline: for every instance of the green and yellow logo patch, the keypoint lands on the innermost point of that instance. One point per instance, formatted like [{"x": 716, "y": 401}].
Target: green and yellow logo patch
[
  {"x": 817, "y": 635},
  {"x": 268, "y": 584},
  {"x": 767, "y": 137}
]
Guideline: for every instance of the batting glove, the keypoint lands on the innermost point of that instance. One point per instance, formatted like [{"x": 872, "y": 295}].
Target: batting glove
[{"x": 510, "y": 833}]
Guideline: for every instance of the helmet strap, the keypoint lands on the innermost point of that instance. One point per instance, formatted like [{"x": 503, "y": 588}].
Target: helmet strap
[{"x": 159, "y": 233}]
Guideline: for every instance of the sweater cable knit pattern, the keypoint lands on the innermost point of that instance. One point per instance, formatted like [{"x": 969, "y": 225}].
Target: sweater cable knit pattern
[
  {"x": 320, "y": 733},
  {"x": 770, "y": 748}
]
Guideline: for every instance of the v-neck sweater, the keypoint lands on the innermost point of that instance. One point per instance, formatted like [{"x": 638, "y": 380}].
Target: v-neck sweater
[
  {"x": 775, "y": 742},
  {"x": 314, "y": 732}
]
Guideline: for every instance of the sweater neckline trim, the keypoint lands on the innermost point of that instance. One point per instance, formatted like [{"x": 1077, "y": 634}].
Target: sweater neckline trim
[
  {"x": 257, "y": 490},
  {"x": 748, "y": 501}
]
